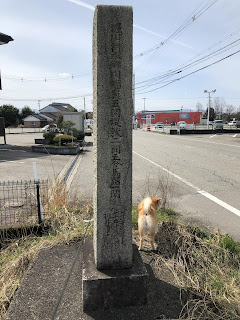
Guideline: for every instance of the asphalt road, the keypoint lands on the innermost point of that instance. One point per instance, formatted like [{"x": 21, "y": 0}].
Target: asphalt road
[{"x": 199, "y": 173}]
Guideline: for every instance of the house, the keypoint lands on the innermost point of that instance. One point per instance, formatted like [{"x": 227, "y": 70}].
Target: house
[
  {"x": 47, "y": 114},
  {"x": 57, "y": 107},
  {"x": 35, "y": 121},
  {"x": 76, "y": 117}
]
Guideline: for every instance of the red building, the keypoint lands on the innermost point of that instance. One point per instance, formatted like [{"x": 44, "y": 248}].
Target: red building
[{"x": 168, "y": 116}]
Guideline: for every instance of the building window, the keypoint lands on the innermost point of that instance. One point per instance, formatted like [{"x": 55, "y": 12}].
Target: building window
[{"x": 33, "y": 124}]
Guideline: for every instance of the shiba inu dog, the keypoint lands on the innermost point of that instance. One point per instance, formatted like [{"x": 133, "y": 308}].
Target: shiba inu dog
[{"x": 147, "y": 218}]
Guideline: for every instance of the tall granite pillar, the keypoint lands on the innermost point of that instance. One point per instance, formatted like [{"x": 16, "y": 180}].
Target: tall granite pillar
[
  {"x": 113, "y": 110},
  {"x": 113, "y": 272}
]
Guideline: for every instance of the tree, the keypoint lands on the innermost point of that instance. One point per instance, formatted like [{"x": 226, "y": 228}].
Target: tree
[
  {"x": 10, "y": 114},
  {"x": 230, "y": 110},
  {"x": 67, "y": 126},
  {"x": 212, "y": 114},
  {"x": 25, "y": 112},
  {"x": 199, "y": 107},
  {"x": 238, "y": 113},
  {"x": 59, "y": 121},
  {"x": 219, "y": 105}
]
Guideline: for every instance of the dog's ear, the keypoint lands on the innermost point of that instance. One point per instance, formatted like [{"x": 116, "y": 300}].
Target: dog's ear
[{"x": 158, "y": 200}]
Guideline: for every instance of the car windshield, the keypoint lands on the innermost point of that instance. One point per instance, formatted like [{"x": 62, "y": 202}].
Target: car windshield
[{"x": 218, "y": 121}]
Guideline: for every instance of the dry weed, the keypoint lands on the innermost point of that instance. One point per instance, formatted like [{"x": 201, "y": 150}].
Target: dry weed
[
  {"x": 65, "y": 224},
  {"x": 208, "y": 273}
]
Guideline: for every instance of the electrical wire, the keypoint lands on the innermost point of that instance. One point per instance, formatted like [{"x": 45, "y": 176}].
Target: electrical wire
[
  {"x": 48, "y": 99},
  {"x": 203, "y": 7},
  {"x": 178, "y": 79},
  {"x": 163, "y": 78},
  {"x": 46, "y": 79}
]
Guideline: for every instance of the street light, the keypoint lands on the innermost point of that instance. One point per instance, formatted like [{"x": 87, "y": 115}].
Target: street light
[
  {"x": 4, "y": 38},
  {"x": 209, "y": 101},
  {"x": 144, "y": 103}
]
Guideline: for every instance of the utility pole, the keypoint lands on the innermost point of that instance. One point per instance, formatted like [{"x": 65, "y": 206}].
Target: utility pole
[
  {"x": 39, "y": 104},
  {"x": 209, "y": 103},
  {"x": 144, "y": 103},
  {"x": 84, "y": 106},
  {"x": 133, "y": 97}
]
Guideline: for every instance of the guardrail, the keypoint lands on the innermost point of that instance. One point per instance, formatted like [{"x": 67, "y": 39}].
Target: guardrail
[
  {"x": 22, "y": 130},
  {"x": 189, "y": 127}
]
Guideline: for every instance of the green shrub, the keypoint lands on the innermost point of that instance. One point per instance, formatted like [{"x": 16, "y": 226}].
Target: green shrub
[
  {"x": 78, "y": 134},
  {"x": 64, "y": 139},
  {"x": 49, "y": 136},
  {"x": 230, "y": 244}
]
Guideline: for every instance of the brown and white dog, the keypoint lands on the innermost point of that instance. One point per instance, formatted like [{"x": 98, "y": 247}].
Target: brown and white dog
[{"x": 147, "y": 218}]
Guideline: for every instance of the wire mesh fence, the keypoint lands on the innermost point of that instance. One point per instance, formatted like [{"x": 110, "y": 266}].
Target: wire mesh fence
[{"x": 23, "y": 203}]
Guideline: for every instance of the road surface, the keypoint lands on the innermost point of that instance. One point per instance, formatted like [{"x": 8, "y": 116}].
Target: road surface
[{"x": 199, "y": 173}]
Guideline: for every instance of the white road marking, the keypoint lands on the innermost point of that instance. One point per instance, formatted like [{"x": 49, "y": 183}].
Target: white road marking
[
  {"x": 17, "y": 150},
  {"x": 220, "y": 202},
  {"x": 202, "y": 192},
  {"x": 198, "y": 140},
  {"x": 235, "y": 135},
  {"x": 191, "y": 147},
  {"x": 12, "y": 161},
  {"x": 212, "y": 136}
]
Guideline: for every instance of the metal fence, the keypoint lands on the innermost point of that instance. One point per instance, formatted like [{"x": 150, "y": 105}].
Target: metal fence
[{"x": 23, "y": 203}]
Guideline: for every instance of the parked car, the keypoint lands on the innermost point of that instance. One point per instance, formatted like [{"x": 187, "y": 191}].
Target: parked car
[
  {"x": 52, "y": 127},
  {"x": 181, "y": 124},
  {"x": 238, "y": 124},
  {"x": 159, "y": 125},
  {"x": 218, "y": 124},
  {"x": 232, "y": 123}
]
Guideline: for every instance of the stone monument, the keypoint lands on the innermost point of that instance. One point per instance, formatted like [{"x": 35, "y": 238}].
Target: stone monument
[{"x": 114, "y": 274}]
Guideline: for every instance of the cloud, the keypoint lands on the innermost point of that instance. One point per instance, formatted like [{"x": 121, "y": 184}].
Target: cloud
[
  {"x": 64, "y": 74},
  {"x": 149, "y": 31},
  {"x": 82, "y": 4},
  {"x": 161, "y": 36},
  {"x": 90, "y": 7}
]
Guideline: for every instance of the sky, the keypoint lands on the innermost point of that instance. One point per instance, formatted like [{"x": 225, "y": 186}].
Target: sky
[{"x": 180, "y": 49}]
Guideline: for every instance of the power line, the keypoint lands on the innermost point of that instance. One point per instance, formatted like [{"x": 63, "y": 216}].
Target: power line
[
  {"x": 203, "y": 7},
  {"x": 163, "y": 78},
  {"x": 178, "y": 79},
  {"x": 48, "y": 99},
  {"x": 64, "y": 77}
]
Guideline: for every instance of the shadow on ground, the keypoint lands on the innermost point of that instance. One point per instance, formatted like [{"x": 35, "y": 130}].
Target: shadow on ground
[{"x": 45, "y": 283}]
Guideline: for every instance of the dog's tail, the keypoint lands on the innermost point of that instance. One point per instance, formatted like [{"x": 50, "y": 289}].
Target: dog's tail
[{"x": 147, "y": 206}]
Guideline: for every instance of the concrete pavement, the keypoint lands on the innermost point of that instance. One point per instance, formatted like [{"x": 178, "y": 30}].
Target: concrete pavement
[{"x": 16, "y": 159}]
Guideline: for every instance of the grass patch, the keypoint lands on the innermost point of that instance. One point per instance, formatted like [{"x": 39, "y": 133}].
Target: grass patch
[{"x": 205, "y": 266}]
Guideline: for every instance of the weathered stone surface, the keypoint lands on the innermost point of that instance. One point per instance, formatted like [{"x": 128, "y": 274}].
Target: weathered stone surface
[
  {"x": 113, "y": 110},
  {"x": 103, "y": 289}
]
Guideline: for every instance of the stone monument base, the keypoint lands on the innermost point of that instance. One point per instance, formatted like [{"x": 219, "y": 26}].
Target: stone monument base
[{"x": 102, "y": 289}]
